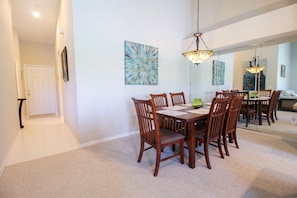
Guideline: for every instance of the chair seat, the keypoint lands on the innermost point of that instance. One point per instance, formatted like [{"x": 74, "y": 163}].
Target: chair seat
[{"x": 168, "y": 136}]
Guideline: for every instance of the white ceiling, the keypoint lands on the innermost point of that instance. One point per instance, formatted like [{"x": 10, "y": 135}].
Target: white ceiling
[{"x": 41, "y": 29}]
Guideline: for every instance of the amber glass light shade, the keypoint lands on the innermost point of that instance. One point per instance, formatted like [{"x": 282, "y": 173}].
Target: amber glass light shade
[{"x": 198, "y": 56}]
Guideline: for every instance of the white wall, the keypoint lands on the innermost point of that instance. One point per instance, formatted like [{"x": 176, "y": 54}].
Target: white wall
[
  {"x": 9, "y": 121},
  {"x": 67, "y": 90},
  {"x": 293, "y": 73},
  {"x": 284, "y": 58},
  {"x": 37, "y": 53},
  {"x": 104, "y": 105}
]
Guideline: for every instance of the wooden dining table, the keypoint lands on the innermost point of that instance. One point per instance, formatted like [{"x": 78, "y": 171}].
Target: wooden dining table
[
  {"x": 259, "y": 102},
  {"x": 190, "y": 116}
]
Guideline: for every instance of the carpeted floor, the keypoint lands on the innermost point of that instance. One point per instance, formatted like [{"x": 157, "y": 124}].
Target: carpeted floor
[
  {"x": 263, "y": 167},
  {"x": 285, "y": 127}
]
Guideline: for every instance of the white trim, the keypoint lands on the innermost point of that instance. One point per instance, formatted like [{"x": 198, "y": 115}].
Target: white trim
[{"x": 107, "y": 139}]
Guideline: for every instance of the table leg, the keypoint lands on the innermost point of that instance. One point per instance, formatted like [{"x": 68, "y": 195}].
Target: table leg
[
  {"x": 191, "y": 144},
  {"x": 260, "y": 113}
]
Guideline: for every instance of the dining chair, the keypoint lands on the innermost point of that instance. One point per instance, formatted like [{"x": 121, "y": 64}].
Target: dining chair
[
  {"x": 212, "y": 131},
  {"x": 178, "y": 98},
  {"x": 276, "y": 103},
  {"x": 154, "y": 135},
  {"x": 160, "y": 100},
  {"x": 268, "y": 110},
  {"x": 264, "y": 93},
  {"x": 222, "y": 94},
  {"x": 248, "y": 109},
  {"x": 231, "y": 119}
]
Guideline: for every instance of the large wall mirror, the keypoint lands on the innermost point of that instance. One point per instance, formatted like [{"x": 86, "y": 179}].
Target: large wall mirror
[{"x": 279, "y": 74}]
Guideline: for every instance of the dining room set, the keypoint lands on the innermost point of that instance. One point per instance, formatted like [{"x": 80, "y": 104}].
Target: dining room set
[{"x": 197, "y": 125}]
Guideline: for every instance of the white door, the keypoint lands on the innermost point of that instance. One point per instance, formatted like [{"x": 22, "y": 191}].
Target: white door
[{"x": 40, "y": 84}]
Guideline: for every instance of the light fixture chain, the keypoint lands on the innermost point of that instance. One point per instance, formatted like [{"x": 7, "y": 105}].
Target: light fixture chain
[{"x": 197, "y": 15}]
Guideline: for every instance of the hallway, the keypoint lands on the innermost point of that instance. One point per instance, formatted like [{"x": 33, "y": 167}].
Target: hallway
[{"x": 41, "y": 137}]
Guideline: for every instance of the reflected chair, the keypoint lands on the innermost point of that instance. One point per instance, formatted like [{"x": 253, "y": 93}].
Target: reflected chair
[
  {"x": 212, "y": 131},
  {"x": 178, "y": 98},
  {"x": 248, "y": 109},
  {"x": 160, "y": 100},
  {"x": 276, "y": 104},
  {"x": 231, "y": 119},
  {"x": 264, "y": 93},
  {"x": 268, "y": 110},
  {"x": 154, "y": 135}
]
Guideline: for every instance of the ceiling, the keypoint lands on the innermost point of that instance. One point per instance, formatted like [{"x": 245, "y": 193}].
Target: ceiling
[{"x": 41, "y": 29}]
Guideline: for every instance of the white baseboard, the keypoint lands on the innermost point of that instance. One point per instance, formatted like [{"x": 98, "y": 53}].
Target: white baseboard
[{"x": 107, "y": 139}]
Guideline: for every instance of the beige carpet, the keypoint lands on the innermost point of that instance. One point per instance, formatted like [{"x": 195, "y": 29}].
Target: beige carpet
[
  {"x": 262, "y": 167},
  {"x": 285, "y": 127}
]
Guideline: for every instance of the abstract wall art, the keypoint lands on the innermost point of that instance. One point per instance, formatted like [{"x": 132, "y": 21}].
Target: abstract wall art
[
  {"x": 218, "y": 72},
  {"x": 141, "y": 64}
]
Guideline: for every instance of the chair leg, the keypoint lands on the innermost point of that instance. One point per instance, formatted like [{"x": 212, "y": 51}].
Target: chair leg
[
  {"x": 275, "y": 114},
  {"x": 158, "y": 159},
  {"x": 268, "y": 119},
  {"x": 141, "y": 151},
  {"x": 173, "y": 147},
  {"x": 225, "y": 144},
  {"x": 235, "y": 139},
  {"x": 181, "y": 152},
  {"x": 220, "y": 147},
  {"x": 272, "y": 118},
  {"x": 206, "y": 155}
]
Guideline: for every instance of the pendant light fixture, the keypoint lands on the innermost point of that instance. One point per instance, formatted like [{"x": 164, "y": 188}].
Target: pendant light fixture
[
  {"x": 198, "y": 56},
  {"x": 255, "y": 66}
]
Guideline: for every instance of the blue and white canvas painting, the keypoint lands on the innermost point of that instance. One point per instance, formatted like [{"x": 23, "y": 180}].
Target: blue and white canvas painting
[
  {"x": 141, "y": 64},
  {"x": 218, "y": 72}
]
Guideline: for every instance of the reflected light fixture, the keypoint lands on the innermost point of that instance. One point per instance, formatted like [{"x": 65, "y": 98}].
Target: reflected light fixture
[
  {"x": 256, "y": 68},
  {"x": 35, "y": 12},
  {"x": 198, "y": 56}
]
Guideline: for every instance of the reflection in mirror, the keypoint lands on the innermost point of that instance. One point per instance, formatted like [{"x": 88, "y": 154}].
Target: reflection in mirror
[
  {"x": 271, "y": 78},
  {"x": 272, "y": 56}
]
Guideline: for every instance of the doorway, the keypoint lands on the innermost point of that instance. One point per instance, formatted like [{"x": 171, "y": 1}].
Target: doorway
[{"x": 40, "y": 89}]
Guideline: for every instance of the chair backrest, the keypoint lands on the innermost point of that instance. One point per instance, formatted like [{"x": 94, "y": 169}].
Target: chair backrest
[
  {"x": 160, "y": 100},
  {"x": 221, "y": 94},
  {"x": 147, "y": 120},
  {"x": 233, "y": 114},
  {"x": 216, "y": 118},
  {"x": 273, "y": 100},
  {"x": 264, "y": 92},
  {"x": 178, "y": 98},
  {"x": 243, "y": 93}
]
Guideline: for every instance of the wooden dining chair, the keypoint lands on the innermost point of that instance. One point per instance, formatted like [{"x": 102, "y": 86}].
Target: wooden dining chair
[
  {"x": 160, "y": 100},
  {"x": 154, "y": 135},
  {"x": 264, "y": 93},
  {"x": 178, "y": 98},
  {"x": 231, "y": 119},
  {"x": 221, "y": 94},
  {"x": 276, "y": 104},
  {"x": 212, "y": 131},
  {"x": 268, "y": 110},
  {"x": 248, "y": 109}
]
